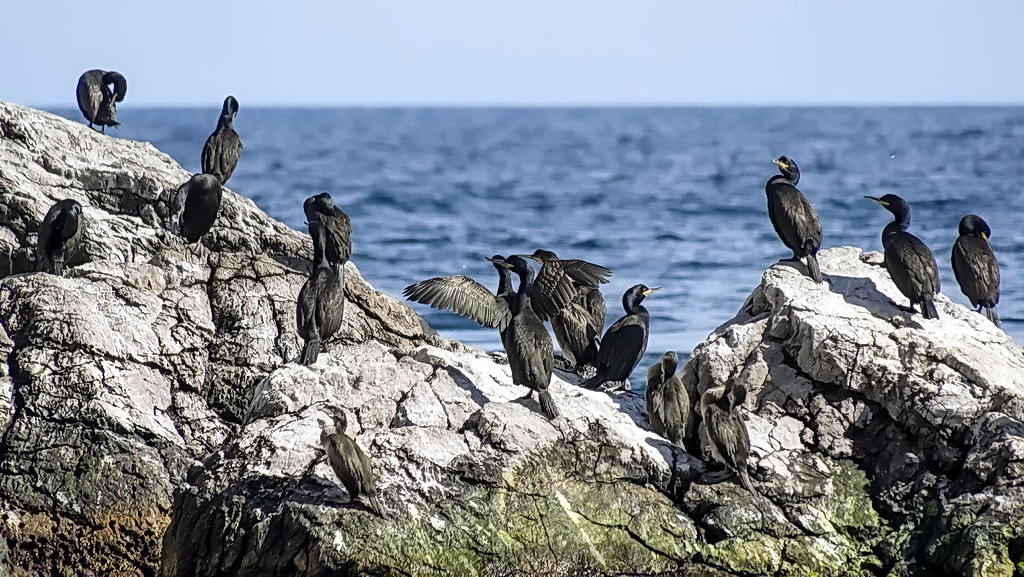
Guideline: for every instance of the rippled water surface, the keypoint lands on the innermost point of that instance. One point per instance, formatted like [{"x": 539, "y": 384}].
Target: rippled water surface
[{"x": 669, "y": 197}]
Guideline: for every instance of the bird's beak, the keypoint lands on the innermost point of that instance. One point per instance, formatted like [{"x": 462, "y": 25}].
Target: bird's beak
[
  {"x": 781, "y": 164},
  {"x": 503, "y": 264},
  {"x": 489, "y": 259},
  {"x": 878, "y": 200},
  {"x": 651, "y": 290},
  {"x": 984, "y": 236},
  {"x": 529, "y": 256}
]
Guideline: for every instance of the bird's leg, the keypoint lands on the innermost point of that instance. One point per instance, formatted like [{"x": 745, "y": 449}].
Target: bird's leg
[
  {"x": 527, "y": 396},
  {"x": 905, "y": 309}
]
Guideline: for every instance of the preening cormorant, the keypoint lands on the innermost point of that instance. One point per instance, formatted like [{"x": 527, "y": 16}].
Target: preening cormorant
[
  {"x": 195, "y": 207},
  {"x": 668, "y": 403},
  {"x": 467, "y": 297},
  {"x": 321, "y": 208},
  {"x": 97, "y": 101},
  {"x": 975, "y": 265},
  {"x": 527, "y": 342},
  {"x": 223, "y": 147},
  {"x": 321, "y": 305},
  {"x": 793, "y": 217},
  {"x": 624, "y": 343},
  {"x": 726, "y": 432},
  {"x": 350, "y": 463},
  {"x": 909, "y": 262},
  {"x": 58, "y": 235}
]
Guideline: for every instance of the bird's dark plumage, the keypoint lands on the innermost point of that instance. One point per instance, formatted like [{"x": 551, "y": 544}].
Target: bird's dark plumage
[
  {"x": 793, "y": 217},
  {"x": 975, "y": 265},
  {"x": 350, "y": 463},
  {"x": 527, "y": 342},
  {"x": 910, "y": 263},
  {"x": 58, "y": 235},
  {"x": 320, "y": 308},
  {"x": 195, "y": 206},
  {"x": 96, "y": 100},
  {"x": 223, "y": 147},
  {"x": 726, "y": 432},
  {"x": 668, "y": 403},
  {"x": 321, "y": 208},
  {"x": 624, "y": 343},
  {"x": 467, "y": 297},
  {"x": 557, "y": 281}
]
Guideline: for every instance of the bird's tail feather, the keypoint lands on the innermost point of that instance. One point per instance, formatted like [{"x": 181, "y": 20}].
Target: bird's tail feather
[
  {"x": 812, "y": 267},
  {"x": 310, "y": 351},
  {"x": 928, "y": 308},
  {"x": 992, "y": 315},
  {"x": 748, "y": 485},
  {"x": 547, "y": 404},
  {"x": 373, "y": 504}
]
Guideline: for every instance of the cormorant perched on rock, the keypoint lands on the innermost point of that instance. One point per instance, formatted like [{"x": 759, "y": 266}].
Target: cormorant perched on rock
[
  {"x": 624, "y": 343},
  {"x": 58, "y": 234},
  {"x": 321, "y": 305},
  {"x": 466, "y": 297},
  {"x": 195, "y": 207},
  {"x": 578, "y": 325},
  {"x": 321, "y": 208},
  {"x": 793, "y": 217},
  {"x": 909, "y": 262},
  {"x": 97, "y": 101},
  {"x": 527, "y": 342},
  {"x": 975, "y": 265},
  {"x": 350, "y": 463},
  {"x": 726, "y": 432},
  {"x": 223, "y": 147},
  {"x": 668, "y": 403}
]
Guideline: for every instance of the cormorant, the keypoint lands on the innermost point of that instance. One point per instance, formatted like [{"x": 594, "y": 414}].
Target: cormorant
[
  {"x": 58, "y": 234},
  {"x": 97, "y": 101},
  {"x": 578, "y": 325},
  {"x": 321, "y": 208},
  {"x": 975, "y": 266},
  {"x": 793, "y": 217},
  {"x": 195, "y": 207},
  {"x": 624, "y": 343},
  {"x": 909, "y": 262},
  {"x": 528, "y": 344},
  {"x": 350, "y": 463},
  {"x": 668, "y": 403},
  {"x": 554, "y": 288},
  {"x": 223, "y": 147},
  {"x": 321, "y": 305},
  {"x": 466, "y": 297},
  {"x": 726, "y": 432}
]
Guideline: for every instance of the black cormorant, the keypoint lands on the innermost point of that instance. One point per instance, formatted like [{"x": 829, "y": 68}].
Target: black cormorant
[
  {"x": 466, "y": 297},
  {"x": 975, "y": 265},
  {"x": 58, "y": 235},
  {"x": 528, "y": 344},
  {"x": 223, "y": 147},
  {"x": 793, "y": 217},
  {"x": 726, "y": 432},
  {"x": 321, "y": 305},
  {"x": 97, "y": 101},
  {"x": 624, "y": 343},
  {"x": 909, "y": 262},
  {"x": 195, "y": 207},
  {"x": 668, "y": 403},
  {"x": 350, "y": 463},
  {"x": 578, "y": 325},
  {"x": 321, "y": 208}
]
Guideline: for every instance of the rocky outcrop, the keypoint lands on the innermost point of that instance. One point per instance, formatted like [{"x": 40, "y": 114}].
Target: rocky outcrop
[{"x": 153, "y": 418}]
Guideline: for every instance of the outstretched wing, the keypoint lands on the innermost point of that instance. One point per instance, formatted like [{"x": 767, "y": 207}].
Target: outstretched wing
[
  {"x": 586, "y": 273},
  {"x": 462, "y": 295}
]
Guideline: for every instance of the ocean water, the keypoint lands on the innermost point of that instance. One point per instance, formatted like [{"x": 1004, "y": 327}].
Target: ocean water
[{"x": 670, "y": 197}]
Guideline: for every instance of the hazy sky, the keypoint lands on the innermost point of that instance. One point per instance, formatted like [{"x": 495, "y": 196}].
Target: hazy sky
[{"x": 521, "y": 52}]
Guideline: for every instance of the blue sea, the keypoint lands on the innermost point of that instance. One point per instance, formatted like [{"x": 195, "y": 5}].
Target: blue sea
[{"x": 670, "y": 197}]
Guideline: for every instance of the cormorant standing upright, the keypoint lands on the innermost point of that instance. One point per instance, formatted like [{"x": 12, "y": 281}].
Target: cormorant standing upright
[
  {"x": 223, "y": 147},
  {"x": 668, "y": 403},
  {"x": 975, "y": 265},
  {"x": 195, "y": 207},
  {"x": 793, "y": 217},
  {"x": 624, "y": 343},
  {"x": 321, "y": 304},
  {"x": 58, "y": 234},
  {"x": 909, "y": 262},
  {"x": 350, "y": 463},
  {"x": 527, "y": 342},
  {"x": 726, "y": 432},
  {"x": 321, "y": 208},
  {"x": 97, "y": 101}
]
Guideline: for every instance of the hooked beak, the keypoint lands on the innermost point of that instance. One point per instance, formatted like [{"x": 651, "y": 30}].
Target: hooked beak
[
  {"x": 780, "y": 164},
  {"x": 984, "y": 236},
  {"x": 529, "y": 256},
  {"x": 878, "y": 200},
  {"x": 651, "y": 290}
]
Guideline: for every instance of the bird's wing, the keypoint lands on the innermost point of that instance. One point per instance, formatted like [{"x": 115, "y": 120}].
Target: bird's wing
[
  {"x": 793, "y": 217},
  {"x": 330, "y": 302},
  {"x": 593, "y": 301},
  {"x": 464, "y": 296},
  {"x": 621, "y": 347},
  {"x": 344, "y": 457},
  {"x": 923, "y": 267},
  {"x": 586, "y": 273},
  {"x": 728, "y": 435},
  {"x": 339, "y": 231},
  {"x": 209, "y": 160},
  {"x": 976, "y": 269}
]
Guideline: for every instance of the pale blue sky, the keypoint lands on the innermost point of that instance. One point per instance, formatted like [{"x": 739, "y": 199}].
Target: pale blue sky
[{"x": 524, "y": 52}]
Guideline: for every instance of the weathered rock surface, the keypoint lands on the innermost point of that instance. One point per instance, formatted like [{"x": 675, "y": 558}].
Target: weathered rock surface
[{"x": 153, "y": 418}]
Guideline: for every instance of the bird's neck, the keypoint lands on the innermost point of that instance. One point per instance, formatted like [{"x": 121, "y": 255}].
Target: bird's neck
[
  {"x": 523, "y": 296},
  {"x": 504, "y": 281},
  {"x": 635, "y": 308},
  {"x": 225, "y": 120},
  {"x": 901, "y": 224},
  {"x": 320, "y": 253}
]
